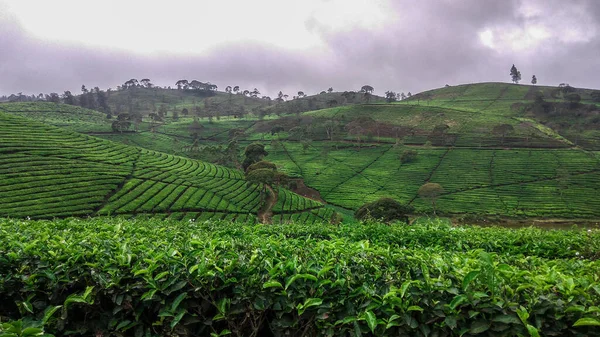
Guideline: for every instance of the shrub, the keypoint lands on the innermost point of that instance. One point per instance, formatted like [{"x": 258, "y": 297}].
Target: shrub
[
  {"x": 408, "y": 156},
  {"x": 384, "y": 209}
]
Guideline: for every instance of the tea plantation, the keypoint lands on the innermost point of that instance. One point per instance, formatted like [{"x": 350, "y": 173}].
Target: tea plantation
[
  {"x": 49, "y": 172},
  {"x": 157, "y": 278},
  {"x": 516, "y": 182}
]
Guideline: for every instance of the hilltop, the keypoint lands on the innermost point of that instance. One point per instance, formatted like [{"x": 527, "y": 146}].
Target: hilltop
[{"x": 51, "y": 172}]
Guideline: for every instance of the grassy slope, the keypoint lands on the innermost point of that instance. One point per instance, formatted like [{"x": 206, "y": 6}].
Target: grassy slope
[
  {"x": 67, "y": 116},
  {"x": 51, "y": 172},
  {"x": 536, "y": 172},
  {"x": 543, "y": 176}
]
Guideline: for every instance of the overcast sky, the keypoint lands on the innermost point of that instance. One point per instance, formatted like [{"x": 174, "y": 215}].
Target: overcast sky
[{"x": 291, "y": 45}]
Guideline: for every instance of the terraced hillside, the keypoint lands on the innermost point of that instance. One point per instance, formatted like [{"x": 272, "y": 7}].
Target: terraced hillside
[
  {"x": 49, "y": 172},
  {"x": 513, "y": 182},
  {"x": 546, "y": 165},
  {"x": 352, "y": 154},
  {"x": 63, "y": 115}
]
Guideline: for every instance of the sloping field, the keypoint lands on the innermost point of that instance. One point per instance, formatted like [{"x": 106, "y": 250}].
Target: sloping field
[
  {"x": 50, "y": 172},
  {"x": 64, "y": 115},
  {"x": 514, "y": 182}
]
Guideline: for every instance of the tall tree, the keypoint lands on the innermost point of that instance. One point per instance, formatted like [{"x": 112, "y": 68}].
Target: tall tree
[
  {"x": 330, "y": 90},
  {"x": 182, "y": 84},
  {"x": 146, "y": 83},
  {"x": 236, "y": 89},
  {"x": 68, "y": 98},
  {"x": 390, "y": 96},
  {"x": 533, "y": 80},
  {"x": 102, "y": 100},
  {"x": 53, "y": 97},
  {"x": 431, "y": 192},
  {"x": 367, "y": 88},
  {"x": 515, "y": 74},
  {"x": 253, "y": 154}
]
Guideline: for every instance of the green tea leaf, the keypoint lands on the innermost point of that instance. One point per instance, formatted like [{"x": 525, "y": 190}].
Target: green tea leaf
[
  {"x": 49, "y": 312},
  {"x": 371, "y": 320},
  {"x": 177, "y": 301},
  {"x": 457, "y": 300},
  {"x": 587, "y": 322},
  {"x": 415, "y": 308},
  {"x": 272, "y": 284},
  {"x": 177, "y": 318},
  {"x": 479, "y": 326},
  {"x": 469, "y": 278},
  {"x": 533, "y": 332}
]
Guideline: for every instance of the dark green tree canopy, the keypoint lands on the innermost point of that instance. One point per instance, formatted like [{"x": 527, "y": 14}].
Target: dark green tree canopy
[
  {"x": 261, "y": 176},
  {"x": 384, "y": 209},
  {"x": 253, "y": 154},
  {"x": 431, "y": 192},
  {"x": 263, "y": 164},
  {"x": 408, "y": 156},
  {"x": 515, "y": 74}
]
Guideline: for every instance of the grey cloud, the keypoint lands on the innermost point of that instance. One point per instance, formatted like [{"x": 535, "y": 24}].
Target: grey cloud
[{"x": 427, "y": 45}]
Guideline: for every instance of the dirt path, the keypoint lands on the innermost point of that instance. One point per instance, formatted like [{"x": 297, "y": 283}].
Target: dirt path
[{"x": 265, "y": 214}]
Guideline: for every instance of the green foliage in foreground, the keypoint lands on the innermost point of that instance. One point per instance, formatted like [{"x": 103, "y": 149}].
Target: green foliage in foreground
[{"x": 151, "y": 278}]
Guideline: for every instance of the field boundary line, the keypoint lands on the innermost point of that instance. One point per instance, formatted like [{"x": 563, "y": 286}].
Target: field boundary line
[{"x": 120, "y": 185}]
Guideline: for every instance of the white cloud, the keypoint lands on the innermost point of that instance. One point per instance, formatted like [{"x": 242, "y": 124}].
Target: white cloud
[{"x": 191, "y": 26}]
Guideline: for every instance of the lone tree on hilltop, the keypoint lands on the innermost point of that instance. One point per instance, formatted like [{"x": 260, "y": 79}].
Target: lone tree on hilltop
[
  {"x": 384, "y": 209},
  {"x": 533, "y": 80},
  {"x": 182, "y": 84},
  {"x": 565, "y": 88},
  {"x": 502, "y": 130},
  {"x": 253, "y": 154},
  {"x": 146, "y": 83},
  {"x": 330, "y": 90},
  {"x": 367, "y": 88},
  {"x": 431, "y": 192},
  {"x": 515, "y": 74}
]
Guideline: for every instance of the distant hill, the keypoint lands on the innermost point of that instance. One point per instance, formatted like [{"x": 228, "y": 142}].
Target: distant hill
[{"x": 49, "y": 172}]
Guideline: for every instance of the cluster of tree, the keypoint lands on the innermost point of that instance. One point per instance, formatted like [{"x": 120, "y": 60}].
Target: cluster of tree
[
  {"x": 94, "y": 99},
  {"x": 389, "y": 210},
  {"x": 515, "y": 76},
  {"x": 20, "y": 97},
  {"x": 133, "y": 83},
  {"x": 385, "y": 210},
  {"x": 196, "y": 85},
  {"x": 124, "y": 121}
]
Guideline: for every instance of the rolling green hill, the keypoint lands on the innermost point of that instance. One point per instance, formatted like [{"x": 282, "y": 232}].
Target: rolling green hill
[
  {"x": 49, "y": 172},
  {"x": 63, "y": 115},
  {"x": 352, "y": 154},
  {"x": 545, "y": 165}
]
